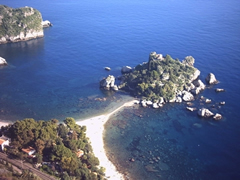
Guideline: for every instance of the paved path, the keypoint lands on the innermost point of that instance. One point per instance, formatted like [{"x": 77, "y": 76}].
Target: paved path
[{"x": 27, "y": 166}]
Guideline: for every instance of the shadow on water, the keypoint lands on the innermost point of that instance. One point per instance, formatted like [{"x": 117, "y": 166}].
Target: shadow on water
[{"x": 31, "y": 48}]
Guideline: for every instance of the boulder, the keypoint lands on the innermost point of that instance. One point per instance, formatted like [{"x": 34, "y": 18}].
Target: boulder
[
  {"x": 115, "y": 88},
  {"x": 203, "y": 112},
  {"x": 219, "y": 90},
  {"x": 46, "y": 24},
  {"x": 161, "y": 100},
  {"x": 126, "y": 69},
  {"x": 217, "y": 116},
  {"x": 199, "y": 83},
  {"x": 155, "y": 105},
  {"x": 195, "y": 75},
  {"x": 222, "y": 103},
  {"x": 149, "y": 103},
  {"x": 211, "y": 79},
  {"x": 107, "y": 68},
  {"x": 107, "y": 83},
  {"x": 172, "y": 100},
  {"x": 187, "y": 96},
  {"x": 189, "y": 60},
  {"x": 178, "y": 99},
  {"x": 191, "y": 109},
  {"x": 2, "y": 61},
  {"x": 208, "y": 101},
  {"x": 144, "y": 103}
]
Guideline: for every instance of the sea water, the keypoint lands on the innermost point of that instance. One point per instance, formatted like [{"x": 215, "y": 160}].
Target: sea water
[{"x": 58, "y": 76}]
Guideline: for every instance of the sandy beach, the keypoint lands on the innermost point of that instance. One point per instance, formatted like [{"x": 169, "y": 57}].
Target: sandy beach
[
  {"x": 95, "y": 130},
  {"x": 3, "y": 124}
]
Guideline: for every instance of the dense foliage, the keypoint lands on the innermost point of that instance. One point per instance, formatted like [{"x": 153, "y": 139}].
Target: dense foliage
[
  {"x": 159, "y": 77},
  {"x": 19, "y": 20},
  {"x": 56, "y": 144}
]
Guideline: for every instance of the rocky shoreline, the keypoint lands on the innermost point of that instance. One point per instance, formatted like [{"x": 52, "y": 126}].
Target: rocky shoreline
[{"x": 192, "y": 88}]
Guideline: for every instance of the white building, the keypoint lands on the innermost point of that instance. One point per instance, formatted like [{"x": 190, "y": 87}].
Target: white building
[{"x": 4, "y": 141}]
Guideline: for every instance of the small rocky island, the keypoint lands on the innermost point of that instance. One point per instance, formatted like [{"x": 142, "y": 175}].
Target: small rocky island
[
  {"x": 161, "y": 80},
  {"x": 20, "y": 24}
]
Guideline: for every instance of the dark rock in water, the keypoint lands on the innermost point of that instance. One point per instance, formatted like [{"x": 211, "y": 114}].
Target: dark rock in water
[
  {"x": 177, "y": 125},
  {"x": 150, "y": 168}
]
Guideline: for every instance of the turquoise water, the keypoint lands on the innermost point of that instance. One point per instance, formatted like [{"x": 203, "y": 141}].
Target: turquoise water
[{"x": 58, "y": 76}]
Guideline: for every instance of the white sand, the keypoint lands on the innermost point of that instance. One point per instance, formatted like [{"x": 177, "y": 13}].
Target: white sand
[
  {"x": 95, "y": 130},
  {"x": 3, "y": 124}
]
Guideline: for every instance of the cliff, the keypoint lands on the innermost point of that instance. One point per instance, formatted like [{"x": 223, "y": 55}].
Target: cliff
[{"x": 19, "y": 24}]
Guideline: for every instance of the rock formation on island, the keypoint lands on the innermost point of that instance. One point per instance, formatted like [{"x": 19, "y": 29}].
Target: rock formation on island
[{"x": 20, "y": 24}]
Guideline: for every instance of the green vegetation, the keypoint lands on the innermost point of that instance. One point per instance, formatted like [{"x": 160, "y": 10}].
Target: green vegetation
[
  {"x": 56, "y": 144},
  {"x": 13, "y": 22},
  {"x": 159, "y": 77}
]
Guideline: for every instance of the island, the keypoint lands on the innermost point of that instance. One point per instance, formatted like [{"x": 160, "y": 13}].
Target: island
[
  {"x": 160, "y": 80},
  {"x": 163, "y": 80},
  {"x": 20, "y": 24}
]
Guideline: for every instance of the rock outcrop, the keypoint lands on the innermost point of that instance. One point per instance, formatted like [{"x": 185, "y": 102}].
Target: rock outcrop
[
  {"x": 217, "y": 116},
  {"x": 108, "y": 83},
  {"x": 126, "y": 69},
  {"x": 46, "y": 24},
  {"x": 211, "y": 79},
  {"x": 107, "y": 68},
  {"x": 219, "y": 90},
  {"x": 187, "y": 96},
  {"x": 203, "y": 112},
  {"x": 2, "y": 61},
  {"x": 189, "y": 60},
  {"x": 19, "y": 24}
]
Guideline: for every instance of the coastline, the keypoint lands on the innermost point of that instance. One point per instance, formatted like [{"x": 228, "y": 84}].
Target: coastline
[
  {"x": 95, "y": 130},
  {"x": 2, "y": 123}
]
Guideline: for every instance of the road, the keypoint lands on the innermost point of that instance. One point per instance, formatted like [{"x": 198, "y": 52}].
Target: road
[{"x": 27, "y": 166}]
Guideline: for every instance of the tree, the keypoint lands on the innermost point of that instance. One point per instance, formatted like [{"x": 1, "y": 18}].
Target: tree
[
  {"x": 40, "y": 145},
  {"x": 62, "y": 131}
]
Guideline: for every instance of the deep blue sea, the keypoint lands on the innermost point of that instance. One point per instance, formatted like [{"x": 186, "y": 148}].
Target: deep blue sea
[{"x": 58, "y": 76}]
